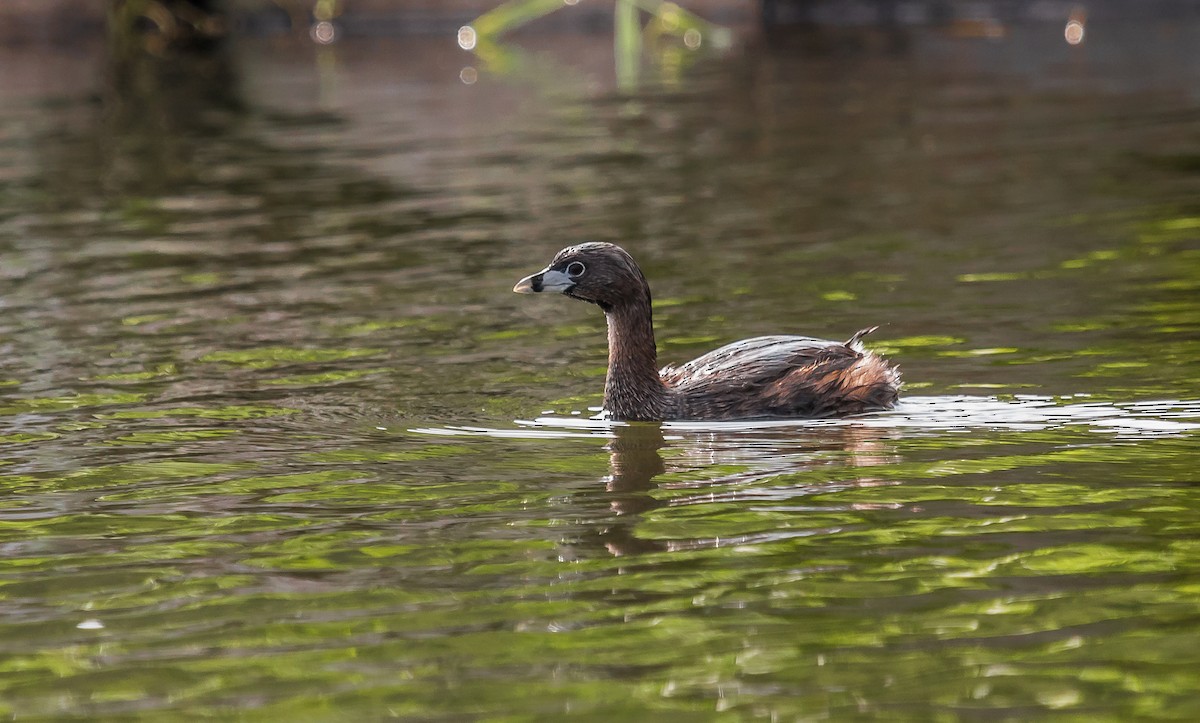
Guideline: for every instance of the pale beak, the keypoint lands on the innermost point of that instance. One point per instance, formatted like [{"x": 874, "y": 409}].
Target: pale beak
[{"x": 545, "y": 280}]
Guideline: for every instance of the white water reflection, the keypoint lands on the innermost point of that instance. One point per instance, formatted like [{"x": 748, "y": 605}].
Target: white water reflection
[{"x": 913, "y": 415}]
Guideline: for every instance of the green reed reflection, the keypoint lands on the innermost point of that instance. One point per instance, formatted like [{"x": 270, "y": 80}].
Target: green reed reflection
[{"x": 668, "y": 26}]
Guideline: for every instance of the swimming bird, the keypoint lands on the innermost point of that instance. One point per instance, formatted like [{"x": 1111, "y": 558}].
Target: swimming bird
[{"x": 762, "y": 377}]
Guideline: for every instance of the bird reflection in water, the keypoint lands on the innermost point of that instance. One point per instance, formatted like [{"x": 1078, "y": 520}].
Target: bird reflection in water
[{"x": 748, "y": 464}]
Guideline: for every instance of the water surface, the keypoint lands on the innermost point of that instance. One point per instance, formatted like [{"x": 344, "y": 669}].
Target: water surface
[{"x": 279, "y": 440}]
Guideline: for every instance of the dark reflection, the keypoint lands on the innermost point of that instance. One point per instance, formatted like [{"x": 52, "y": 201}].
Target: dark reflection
[
  {"x": 153, "y": 127},
  {"x": 799, "y": 30},
  {"x": 164, "y": 26},
  {"x": 635, "y": 461}
]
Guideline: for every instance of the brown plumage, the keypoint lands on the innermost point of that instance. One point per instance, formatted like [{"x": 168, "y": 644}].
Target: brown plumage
[{"x": 767, "y": 376}]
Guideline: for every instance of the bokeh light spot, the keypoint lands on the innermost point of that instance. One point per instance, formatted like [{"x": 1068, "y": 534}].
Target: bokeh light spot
[
  {"x": 1074, "y": 32},
  {"x": 323, "y": 32},
  {"x": 467, "y": 37}
]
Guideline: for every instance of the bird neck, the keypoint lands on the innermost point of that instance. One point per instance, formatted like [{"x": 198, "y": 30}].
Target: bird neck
[{"x": 633, "y": 390}]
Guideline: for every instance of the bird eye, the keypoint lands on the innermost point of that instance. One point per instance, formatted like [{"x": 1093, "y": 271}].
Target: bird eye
[{"x": 575, "y": 269}]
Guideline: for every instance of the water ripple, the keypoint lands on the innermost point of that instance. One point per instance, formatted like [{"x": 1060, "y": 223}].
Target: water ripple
[{"x": 914, "y": 415}]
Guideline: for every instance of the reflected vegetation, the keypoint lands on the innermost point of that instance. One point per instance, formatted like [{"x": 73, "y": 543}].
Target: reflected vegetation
[
  {"x": 668, "y": 35},
  {"x": 278, "y": 440}
]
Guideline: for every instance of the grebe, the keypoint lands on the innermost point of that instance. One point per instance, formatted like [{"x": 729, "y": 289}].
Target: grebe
[{"x": 763, "y": 377}]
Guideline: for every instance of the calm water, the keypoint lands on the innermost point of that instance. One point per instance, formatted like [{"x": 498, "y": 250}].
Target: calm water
[{"x": 278, "y": 439}]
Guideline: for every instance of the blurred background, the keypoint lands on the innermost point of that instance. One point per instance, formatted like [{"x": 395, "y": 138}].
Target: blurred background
[{"x": 44, "y": 20}]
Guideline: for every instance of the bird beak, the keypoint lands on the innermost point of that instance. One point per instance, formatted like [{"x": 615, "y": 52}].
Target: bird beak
[{"x": 545, "y": 280}]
